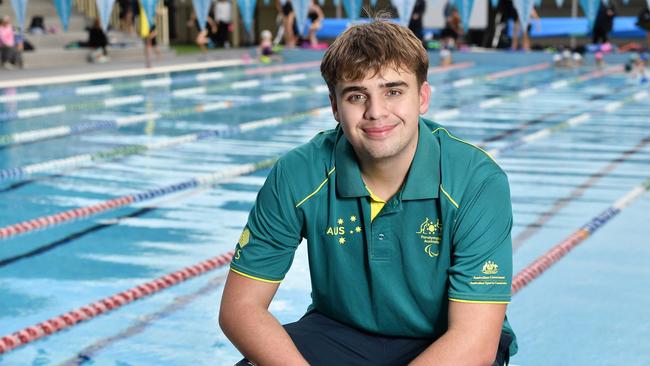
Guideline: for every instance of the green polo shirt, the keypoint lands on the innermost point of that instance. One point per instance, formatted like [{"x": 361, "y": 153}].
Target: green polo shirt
[{"x": 444, "y": 236}]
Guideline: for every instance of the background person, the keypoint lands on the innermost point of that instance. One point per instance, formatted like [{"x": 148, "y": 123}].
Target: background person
[
  {"x": 223, "y": 18},
  {"x": 415, "y": 23},
  {"x": 525, "y": 33},
  {"x": 453, "y": 27},
  {"x": 10, "y": 51},
  {"x": 643, "y": 22},
  {"x": 603, "y": 23},
  {"x": 96, "y": 38},
  {"x": 289, "y": 25},
  {"x": 316, "y": 16}
]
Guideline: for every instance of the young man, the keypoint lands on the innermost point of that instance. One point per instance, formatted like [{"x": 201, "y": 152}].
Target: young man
[{"x": 408, "y": 228}]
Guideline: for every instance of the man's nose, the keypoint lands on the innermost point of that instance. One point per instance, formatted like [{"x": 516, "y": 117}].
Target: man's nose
[{"x": 376, "y": 108}]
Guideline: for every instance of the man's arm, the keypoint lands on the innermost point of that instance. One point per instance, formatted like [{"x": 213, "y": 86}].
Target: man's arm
[
  {"x": 246, "y": 321},
  {"x": 471, "y": 339}
]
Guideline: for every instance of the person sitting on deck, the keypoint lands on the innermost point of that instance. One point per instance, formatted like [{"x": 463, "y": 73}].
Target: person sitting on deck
[{"x": 408, "y": 228}]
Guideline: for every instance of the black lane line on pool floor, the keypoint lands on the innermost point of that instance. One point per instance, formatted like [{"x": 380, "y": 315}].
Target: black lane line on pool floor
[
  {"x": 85, "y": 356},
  {"x": 74, "y": 236}
]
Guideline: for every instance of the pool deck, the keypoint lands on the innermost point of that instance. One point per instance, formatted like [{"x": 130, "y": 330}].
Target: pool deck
[{"x": 214, "y": 58}]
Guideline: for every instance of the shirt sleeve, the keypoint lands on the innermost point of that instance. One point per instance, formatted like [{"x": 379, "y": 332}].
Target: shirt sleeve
[
  {"x": 481, "y": 269},
  {"x": 267, "y": 245}
]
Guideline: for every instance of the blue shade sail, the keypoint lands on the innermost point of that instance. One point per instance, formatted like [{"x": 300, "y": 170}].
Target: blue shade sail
[
  {"x": 301, "y": 8},
  {"x": 149, "y": 7},
  {"x": 247, "y": 11},
  {"x": 105, "y": 8},
  {"x": 590, "y": 8},
  {"x": 352, "y": 8},
  {"x": 465, "y": 11},
  {"x": 524, "y": 8},
  {"x": 201, "y": 9},
  {"x": 63, "y": 8},
  {"x": 20, "y": 7},
  {"x": 404, "y": 10}
]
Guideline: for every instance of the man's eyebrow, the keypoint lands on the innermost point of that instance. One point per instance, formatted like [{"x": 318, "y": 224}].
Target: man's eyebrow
[
  {"x": 390, "y": 84},
  {"x": 393, "y": 84},
  {"x": 353, "y": 88}
]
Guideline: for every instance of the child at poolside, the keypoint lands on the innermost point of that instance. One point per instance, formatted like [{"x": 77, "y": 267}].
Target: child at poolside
[{"x": 265, "y": 50}]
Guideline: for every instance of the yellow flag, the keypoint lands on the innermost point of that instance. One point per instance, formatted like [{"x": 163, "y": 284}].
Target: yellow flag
[{"x": 144, "y": 23}]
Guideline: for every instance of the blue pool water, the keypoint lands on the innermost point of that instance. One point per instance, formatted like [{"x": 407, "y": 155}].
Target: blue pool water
[{"x": 588, "y": 309}]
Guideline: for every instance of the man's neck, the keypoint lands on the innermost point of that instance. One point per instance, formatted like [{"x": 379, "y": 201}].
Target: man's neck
[{"x": 386, "y": 177}]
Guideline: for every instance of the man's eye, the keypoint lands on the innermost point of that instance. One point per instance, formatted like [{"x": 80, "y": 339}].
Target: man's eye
[
  {"x": 394, "y": 93},
  {"x": 357, "y": 98}
]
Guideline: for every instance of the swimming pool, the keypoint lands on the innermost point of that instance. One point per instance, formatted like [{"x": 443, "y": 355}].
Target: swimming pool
[{"x": 110, "y": 184}]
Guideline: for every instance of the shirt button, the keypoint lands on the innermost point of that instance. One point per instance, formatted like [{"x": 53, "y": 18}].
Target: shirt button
[{"x": 380, "y": 236}]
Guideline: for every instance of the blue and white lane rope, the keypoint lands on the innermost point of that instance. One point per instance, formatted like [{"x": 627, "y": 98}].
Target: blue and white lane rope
[
  {"x": 139, "y": 98},
  {"x": 571, "y": 122},
  {"x": 18, "y": 172},
  {"x": 62, "y": 131},
  {"x": 528, "y": 92},
  {"x": 461, "y": 83},
  {"x": 84, "y": 159},
  {"x": 146, "y": 83}
]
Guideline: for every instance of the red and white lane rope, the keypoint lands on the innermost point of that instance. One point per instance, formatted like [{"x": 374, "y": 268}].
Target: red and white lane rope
[
  {"x": 544, "y": 262},
  {"x": 71, "y": 318},
  {"x": 77, "y": 213}
]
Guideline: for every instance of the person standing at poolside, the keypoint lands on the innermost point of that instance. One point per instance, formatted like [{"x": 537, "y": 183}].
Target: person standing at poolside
[
  {"x": 10, "y": 50},
  {"x": 408, "y": 228}
]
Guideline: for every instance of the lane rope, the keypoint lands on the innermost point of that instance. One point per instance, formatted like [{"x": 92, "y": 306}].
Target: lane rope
[
  {"x": 18, "y": 172},
  {"x": 525, "y": 93},
  {"x": 91, "y": 210},
  {"x": 124, "y": 151},
  {"x": 178, "y": 80},
  {"x": 66, "y": 130},
  {"x": 577, "y": 192},
  {"x": 85, "y": 127},
  {"x": 105, "y": 87},
  {"x": 108, "y": 304},
  {"x": 62, "y": 131},
  {"x": 12, "y": 116},
  {"x": 571, "y": 122},
  {"x": 545, "y": 261}
]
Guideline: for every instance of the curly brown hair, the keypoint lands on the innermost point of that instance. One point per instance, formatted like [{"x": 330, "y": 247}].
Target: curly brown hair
[{"x": 372, "y": 47}]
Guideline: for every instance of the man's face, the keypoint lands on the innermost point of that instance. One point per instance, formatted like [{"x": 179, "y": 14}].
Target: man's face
[{"x": 379, "y": 114}]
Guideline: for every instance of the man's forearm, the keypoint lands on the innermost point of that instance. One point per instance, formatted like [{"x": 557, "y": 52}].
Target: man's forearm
[
  {"x": 260, "y": 337},
  {"x": 456, "y": 348}
]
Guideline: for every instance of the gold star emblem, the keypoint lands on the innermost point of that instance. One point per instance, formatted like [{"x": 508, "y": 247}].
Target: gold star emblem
[
  {"x": 353, "y": 218},
  {"x": 340, "y": 221},
  {"x": 341, "y": 240},
  {"x": 357, "y": 229}
]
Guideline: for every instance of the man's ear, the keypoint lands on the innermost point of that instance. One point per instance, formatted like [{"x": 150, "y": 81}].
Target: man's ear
[
  {"x": 425, "y": 97},
  {"x": 335, "y": 108}
]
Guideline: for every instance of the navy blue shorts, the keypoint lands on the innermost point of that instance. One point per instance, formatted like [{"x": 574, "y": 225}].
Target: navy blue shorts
[{"x": 324, "y": 341}]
